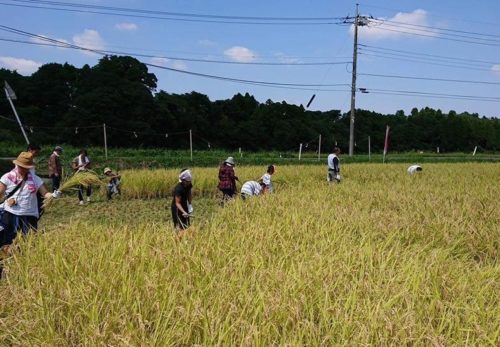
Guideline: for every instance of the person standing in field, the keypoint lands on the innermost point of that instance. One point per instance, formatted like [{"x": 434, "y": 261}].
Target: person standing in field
[
  {"x": 81, "y": 163},
  {"x": 227, "y": 179},
  {"x": 252, "y": 188},
  {"x": 266, "y": 178},
  {"x": 181, "y": 201},
  {"x": 55, "y": 167},
  {"x": 334, "y": 166},
  {"x": 35, "y": 150},
  {"x": 20, "y": 210}
]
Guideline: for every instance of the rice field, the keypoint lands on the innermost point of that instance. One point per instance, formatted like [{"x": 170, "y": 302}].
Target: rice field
[{"x": 384, "y": 258}]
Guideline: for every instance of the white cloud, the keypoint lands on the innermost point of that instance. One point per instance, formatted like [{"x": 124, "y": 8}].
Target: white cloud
[
  {"x": 126, "y": 26},
  {"x": 22, "y": 66},
  {"x": 496, "y": 68},
  {"x": 40, "y": 40},
  {"x": 401, "y": 25},
  {"x": 90, "y": 39},
  {"x": 179, "y": 65},
  {"x": 206, "y": 43},
  {"x": 240, "y": 54},
  {"x": 160, "y": 61}
]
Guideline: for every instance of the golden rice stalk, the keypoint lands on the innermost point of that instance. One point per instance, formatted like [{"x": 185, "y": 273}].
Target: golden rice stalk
[{"x": 84, "y": 178}]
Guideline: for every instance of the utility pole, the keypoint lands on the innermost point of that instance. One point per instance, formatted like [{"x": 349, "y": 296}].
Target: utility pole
[
  {"x": 9, "y": 93},
  {"x": 353, "y": 87}
]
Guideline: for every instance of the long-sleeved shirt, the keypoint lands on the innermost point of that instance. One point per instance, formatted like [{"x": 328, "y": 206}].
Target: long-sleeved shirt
[{"x": 55, "y": 166}]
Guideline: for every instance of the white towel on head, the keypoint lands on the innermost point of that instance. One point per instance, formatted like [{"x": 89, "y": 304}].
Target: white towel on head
[{"x": 186, "y": 176}]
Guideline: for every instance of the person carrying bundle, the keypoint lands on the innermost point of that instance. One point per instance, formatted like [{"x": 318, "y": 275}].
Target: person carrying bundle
[{"x": 81, "y": 163}]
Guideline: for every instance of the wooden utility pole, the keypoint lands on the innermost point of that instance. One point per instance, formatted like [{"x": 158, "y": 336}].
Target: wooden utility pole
[{"x": 353, "y": 86}]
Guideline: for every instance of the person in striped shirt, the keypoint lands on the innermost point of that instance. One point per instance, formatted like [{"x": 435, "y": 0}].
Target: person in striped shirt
[{"x": 252, "y": 188}]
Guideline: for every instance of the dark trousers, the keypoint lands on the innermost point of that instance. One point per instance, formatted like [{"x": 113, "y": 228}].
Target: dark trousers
[
  {"x": 227, "y": 194},
  {"x": 13, "y": 224},
  {"x": 80, "y": 192},
  {"x": 180, "y": 222},
  {"x": 56, "y": 182}
]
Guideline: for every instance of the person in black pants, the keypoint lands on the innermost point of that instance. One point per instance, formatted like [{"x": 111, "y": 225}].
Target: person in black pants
[{"x": 181, "y": 201}]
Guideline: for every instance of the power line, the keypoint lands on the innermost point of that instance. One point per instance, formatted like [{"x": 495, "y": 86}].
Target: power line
[
  {"x": 192, "y": 18},
  {"x": 189, "y": 59},
  {"x": 430, "y": 79},
  {"x": 429, "y": 55},
  {"x": 433, "y": 15},
  {"x": 438, "y": 37},
  {"x": 198, "y": 74},
  {"x": 432, "y": 30},
  {"x": 398, "y": 58},
  {"x": 444, "y": 95}
]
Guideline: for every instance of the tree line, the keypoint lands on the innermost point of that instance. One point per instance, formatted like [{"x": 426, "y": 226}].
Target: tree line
[{"x": 59, "y": 102}]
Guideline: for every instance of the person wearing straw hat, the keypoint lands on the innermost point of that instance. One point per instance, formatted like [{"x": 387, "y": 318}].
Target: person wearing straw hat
[
  {"x": 181, "y": 200},
  {"x": 114, "y": 182},
  {"x": 20, "y": 208},
  {"x": 55, "y": 167},
  {"x": 227, "y": 179}
]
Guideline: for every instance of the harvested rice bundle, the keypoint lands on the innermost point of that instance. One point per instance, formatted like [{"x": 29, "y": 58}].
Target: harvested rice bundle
[{"x": 82, "y": 178}]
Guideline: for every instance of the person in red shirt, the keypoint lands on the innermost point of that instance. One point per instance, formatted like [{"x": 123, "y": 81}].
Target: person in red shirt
[{"x": 227, "y": 179}]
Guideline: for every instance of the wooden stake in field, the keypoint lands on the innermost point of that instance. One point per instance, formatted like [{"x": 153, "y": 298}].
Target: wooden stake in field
[{"x": 386, "y": 143}]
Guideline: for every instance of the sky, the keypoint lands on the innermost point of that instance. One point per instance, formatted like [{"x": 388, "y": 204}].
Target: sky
[{"x": 409, "y": 50}]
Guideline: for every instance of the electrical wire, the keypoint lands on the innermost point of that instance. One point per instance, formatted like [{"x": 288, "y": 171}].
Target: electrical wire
[
  {"x": 412, "y": 53},
  {"x": 111, "y": 52},
  {"x": 262, "y": 21},
  {"x": 430, "y": 79}
]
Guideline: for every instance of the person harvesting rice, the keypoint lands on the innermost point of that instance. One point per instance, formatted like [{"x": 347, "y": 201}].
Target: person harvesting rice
[
  {"x": 181, "y": 201},
  {"x": 20, "y": 208},
  {"x": 81, "y": 163},
  {"x": 227, "y": 179}
]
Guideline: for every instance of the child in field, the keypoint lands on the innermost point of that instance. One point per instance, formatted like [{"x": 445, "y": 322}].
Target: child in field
[{"x": 114, "y": 182}]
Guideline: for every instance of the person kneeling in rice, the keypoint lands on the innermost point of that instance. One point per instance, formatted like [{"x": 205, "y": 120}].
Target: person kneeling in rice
[
  {"x": 19, "y": 211},
  {"x": 267, "y": 178},
  {"x": 181, "y": 201},
  {"x": 113, "y": 186},
  {"x": 252, "y": 188}
]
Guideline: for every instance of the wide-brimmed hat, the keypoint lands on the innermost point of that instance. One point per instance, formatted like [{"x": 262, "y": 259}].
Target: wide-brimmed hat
[
  {"x": 25, "y": 160},
  {"x": 106, "y": 170},
  {"x": 230, "y": 160}
]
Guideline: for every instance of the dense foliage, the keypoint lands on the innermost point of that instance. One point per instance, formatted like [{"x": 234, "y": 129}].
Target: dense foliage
[{"x": 119, "y": 91}]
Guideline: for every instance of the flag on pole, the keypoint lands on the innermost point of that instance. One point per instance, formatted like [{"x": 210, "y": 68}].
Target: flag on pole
[
  {"x": 386, "y": 143},
  {"x": 10, "y": 91}
]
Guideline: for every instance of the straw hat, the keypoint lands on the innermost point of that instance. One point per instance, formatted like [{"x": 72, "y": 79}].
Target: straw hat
[
  {"x": 106, "y": 170},
  {"x": 25, "y": 160}
]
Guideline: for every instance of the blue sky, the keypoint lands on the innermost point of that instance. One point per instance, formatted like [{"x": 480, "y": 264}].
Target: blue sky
[{"x": 387, "y": 49}]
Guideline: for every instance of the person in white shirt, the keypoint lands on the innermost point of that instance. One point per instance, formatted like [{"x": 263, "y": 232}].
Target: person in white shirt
[
  {"x": 414, "y": 169},
  {"x": 252, "y": 188},
  {"x": 81, "y": 164},
  {"x": 20, "y": 208},
  {"x": 266, "y": 178},
  {"x": 334, "y": 166}
]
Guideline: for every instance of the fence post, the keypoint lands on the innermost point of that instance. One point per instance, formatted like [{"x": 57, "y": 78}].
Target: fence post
[
  {"x": 105, "y": 141},
  {"x": 369, "y": 149},
  {"x": 319, "y": 148},
  {"x": 300, "y": 151},
  {"x": 191, "y": 143}
]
